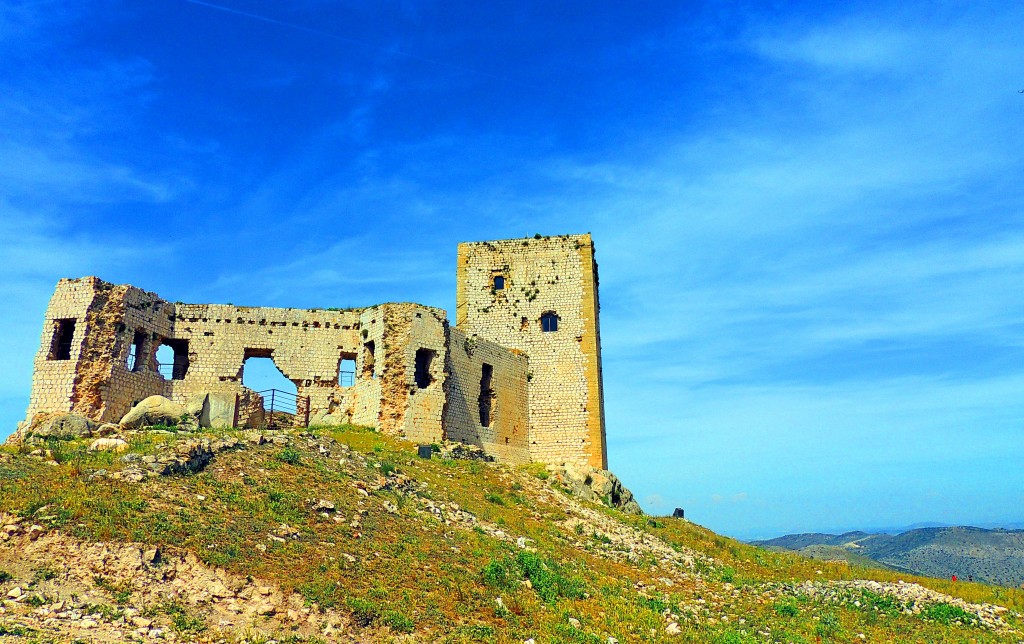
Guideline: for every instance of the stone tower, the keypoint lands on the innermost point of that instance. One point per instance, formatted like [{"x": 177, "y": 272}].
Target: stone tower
[{"x": 539, "y": 296}]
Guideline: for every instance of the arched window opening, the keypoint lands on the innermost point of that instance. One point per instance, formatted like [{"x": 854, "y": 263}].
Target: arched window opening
[
  {"x": 172, "y": 359},
  {"x": 347, "y": 370},
  {"x": 549, "y": 322},
  {"x": 424, "y": 357}
]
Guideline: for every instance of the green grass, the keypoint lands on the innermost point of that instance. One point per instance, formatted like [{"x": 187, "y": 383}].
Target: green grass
[{"x": 416, "y": 572}]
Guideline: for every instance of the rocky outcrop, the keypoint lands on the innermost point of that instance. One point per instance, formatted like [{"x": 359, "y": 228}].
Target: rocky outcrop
[
  {"x": 213, "y": 409},
  {"x": 55, "y": 427},
  {"x": 591, "y": 484},
  {"x": 184, "y": 457},
  {"x": 76, "y": 604}
]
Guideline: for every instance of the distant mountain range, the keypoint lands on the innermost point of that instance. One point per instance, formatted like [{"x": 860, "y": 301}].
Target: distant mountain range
[{"x": 993, "y": 556}]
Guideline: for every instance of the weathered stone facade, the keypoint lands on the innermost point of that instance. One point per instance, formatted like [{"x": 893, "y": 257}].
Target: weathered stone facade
[
  {"x": 497, "y": 380},
  {"x": 540, "y": 296}
]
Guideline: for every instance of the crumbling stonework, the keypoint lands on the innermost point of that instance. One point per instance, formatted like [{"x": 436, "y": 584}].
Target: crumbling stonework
[{"x": 497, "y": 379}]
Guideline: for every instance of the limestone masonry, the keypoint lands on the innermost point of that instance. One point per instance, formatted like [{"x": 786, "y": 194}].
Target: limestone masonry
[{"x": 519, "y": 375}]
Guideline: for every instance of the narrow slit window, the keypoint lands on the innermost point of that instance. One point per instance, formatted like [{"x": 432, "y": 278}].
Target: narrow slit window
[
  {"x": 423, "y": 359},
  {"x": 135, "y": 361},
  {"x": 499, "y": 282},
  {"x": 549, "y": 322},
  {"x": 63, "y": 335},
  {"x": 486, "y": 394}
]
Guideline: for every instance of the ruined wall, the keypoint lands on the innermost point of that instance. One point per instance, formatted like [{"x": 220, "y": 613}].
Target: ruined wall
[
  {"x": 305, "y": 345},
  {"x": 505, "y": 400},
  {"x": 550, "y": 275},
  {"x": 397, "y": 332},
  {"x": 111, "y": 321},
  {"x": 499, "y": 380},
  {"x": 142, "y": 313},
  {"x": 53, "y": 378}
]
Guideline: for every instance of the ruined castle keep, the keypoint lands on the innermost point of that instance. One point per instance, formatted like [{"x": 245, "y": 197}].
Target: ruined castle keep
[{"x": 518, "y": 375}]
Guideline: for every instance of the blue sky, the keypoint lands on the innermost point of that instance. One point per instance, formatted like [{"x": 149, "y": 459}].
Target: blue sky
[{"x": 809, "y": 221}]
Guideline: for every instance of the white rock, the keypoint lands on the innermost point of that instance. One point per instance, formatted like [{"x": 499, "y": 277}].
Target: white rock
[
  {"x": 154, "y": 410},
  {"x": 673, "y": 629},
  {"x": 108, "y": 444}
]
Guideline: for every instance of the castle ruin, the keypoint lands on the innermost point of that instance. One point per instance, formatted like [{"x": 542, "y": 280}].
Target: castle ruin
[{"x": 518, "y": 375}]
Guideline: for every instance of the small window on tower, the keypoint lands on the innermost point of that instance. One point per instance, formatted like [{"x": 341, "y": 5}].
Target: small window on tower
[
  {"x": 499, "y": 282},
  {"x": 422, "y": 374},
  {"x": 549, "y": 322}
]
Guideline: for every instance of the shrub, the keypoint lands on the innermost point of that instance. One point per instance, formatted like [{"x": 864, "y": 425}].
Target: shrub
[
  {"x": 398, "y": 622},
  {"x": 882, "y": 603},
  {"x": 5, "y": 576},
  {"x": 494, "y": 498},
  {"x": 323, "y": 593},
  {"x": 948, "y": 613},
  {"x": 828, "y": 626},
  {"x": 786, "y": 608},
  {"x": 497, "y": 574},
  {"x": 290, "y": 456},
  {"x": 546, "y": 579},
  {"x": 656, "y": 604},
  {"x": 364, "y": 612},
  {"x": 727, "y": 574},
  {"x": 182, "y": 621}
]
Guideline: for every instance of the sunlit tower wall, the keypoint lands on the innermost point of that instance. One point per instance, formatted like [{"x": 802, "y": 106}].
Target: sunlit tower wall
[{"x": 539, "y": 295}]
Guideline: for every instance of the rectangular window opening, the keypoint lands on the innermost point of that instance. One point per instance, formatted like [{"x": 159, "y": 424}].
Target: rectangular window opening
[
  {"x": 423, "y": 359},
  {"x": 136, "y": 352},
  {"x": 486, "y": 394},
  {"x": 549, "y": 322},
  {"x": 176, "y": 363},
  {"x": 347, "y": 370},
  {"x": 63, "y": 335}
]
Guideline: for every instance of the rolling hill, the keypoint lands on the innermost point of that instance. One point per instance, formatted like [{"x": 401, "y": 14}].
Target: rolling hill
[
  {"x": 342, "y": 534},
  {"x": 993, "y": 556}
]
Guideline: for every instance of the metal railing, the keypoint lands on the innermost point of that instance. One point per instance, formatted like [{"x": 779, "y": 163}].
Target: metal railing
[
  {"x": 280, "y": 410},
  {"x": 165, "y": 369}
]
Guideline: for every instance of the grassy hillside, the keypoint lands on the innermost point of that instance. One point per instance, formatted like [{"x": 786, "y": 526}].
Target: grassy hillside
[
  {"x": 990, "y": 556},
  {"x": 342, "y": 534}
]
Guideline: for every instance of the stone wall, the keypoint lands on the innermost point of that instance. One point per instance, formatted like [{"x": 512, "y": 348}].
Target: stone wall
[
  {"x": 505, "y": 400},
  {"x": 554, "y": 276}
]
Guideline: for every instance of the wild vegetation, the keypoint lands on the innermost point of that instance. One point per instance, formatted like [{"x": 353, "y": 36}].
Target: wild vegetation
[{"x": 371, "y": 543}]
